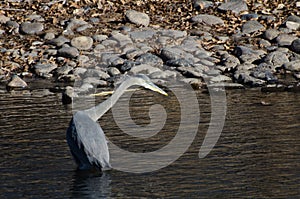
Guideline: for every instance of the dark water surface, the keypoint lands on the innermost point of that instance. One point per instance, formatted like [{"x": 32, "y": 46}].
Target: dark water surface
[{"x": 257, "y": 155}]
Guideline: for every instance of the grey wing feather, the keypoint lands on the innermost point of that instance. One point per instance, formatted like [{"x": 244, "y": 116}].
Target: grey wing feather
[{"x": 91, "y": 136}]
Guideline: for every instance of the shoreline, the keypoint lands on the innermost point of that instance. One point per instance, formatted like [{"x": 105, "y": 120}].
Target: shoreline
[{"x": 241, "y": 44}]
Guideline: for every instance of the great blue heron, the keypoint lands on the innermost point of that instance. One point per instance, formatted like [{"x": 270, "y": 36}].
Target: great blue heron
[{"x": 86, "y": 138}]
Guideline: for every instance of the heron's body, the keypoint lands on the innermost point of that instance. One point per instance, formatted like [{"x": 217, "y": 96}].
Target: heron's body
[{"x": 86, "y": 138}]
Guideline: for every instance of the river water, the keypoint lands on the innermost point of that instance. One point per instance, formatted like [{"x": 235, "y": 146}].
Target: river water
[{"x": 256, "y": 156}]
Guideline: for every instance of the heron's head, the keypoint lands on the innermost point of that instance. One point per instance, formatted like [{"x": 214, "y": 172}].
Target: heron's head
[{"x": 145, "y": 82}]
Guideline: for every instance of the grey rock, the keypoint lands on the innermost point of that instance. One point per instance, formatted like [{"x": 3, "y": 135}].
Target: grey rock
[
  {"x": 113, "y": 71},
  {"x": 84, "y": 27},
  {"x": 95, "y": 81},
  {"x": 245, "y": 67},
  {"x": 12, "y": 24},
  {"x": 167, "y": 74},
  {"x": 121, "y": 39},
  {"x": 141, "y": 36},
  {"x": 16, "y": 82},
  {"x": 128, "y": 65},
  {"x": 82, "y": 59},
  {"x": 49, "y": 36},
  {"x": 70, "y": 52},
  {"x": 150, "y": 59},
  {"x": 296, "y": 45},
  {"x": 44, "y": 68},
  {"x": 94, "y": 20},
  {"x": 99, "y": 38},
  {"x": 109, "y": 43},
  {"x": 97, "y": 73},
  {"x": 235, "y": 6},
  {"x": 247, "y": 54},
  {"x": 264, "y": 74},
  {"x": 115, "y": 61},
  {"x": 64, "y": 70},
  {"x": 208, "y": 19},
  {"x": 213, "y": 72},
  {"x": 201, "y": 4},
  {"x": 137, "y": 18},
  {"x": 4, "y": 19},
  {"x": 99, "y": 48},
  {"x": 179, "y": 62},
  {"x": 133, "y": 53},
  {"x": 264, "y": 43},
  {"x": 169, "y": 53},
  {"x": 190, "y": 72},
  {"x": 145, "y": 69},
  {"x": 285, "y": 39},
  {"x": 276, "y": 59},
  {"x": 220, "y": 78},
  {"x": 251, "y": 26},
  {"x": 206, "y": 62},
  {"x": 297, "y": 76},
  {"x": 249, "y": 16},
  {"x": 59, "y": 41},
  {"x": 292, "y": 25},
  {"x": 82, "y": 42},
  {"x": 292, "y": 66},
  {"x": 32, "y": 28},
  {"x": 191, "y": 45},
  {"x": 271, "y": 34},
  {"x": 293, "y": 18},
  {"x": 229, "y": 61},
  {"x": 79, "y": 71},
  {"x": 245, "y": 78},
  {"x": 51, "y": 52},
  {"x": 74, "y": 23},
  {"x": 173, "y": 33},
  {"x": 273, "y": 88}
]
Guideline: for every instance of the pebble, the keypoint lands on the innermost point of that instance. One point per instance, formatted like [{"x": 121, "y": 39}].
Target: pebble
[
  {"x": 271, "y": 34},
  {"x": 142, "y": 35},
  {"x": 137, "y": 18},
  {"x": 70, "y": 52},
  {"x": 285, "y": 39},
  {"x": 208, "y": 19},
  {"x": 82, "y": 42},
  {"x": 295, "y": 46},
  {"x": 44, "y": 68},
  {"x": 292, "y": 66},
  {"x": 251, "y": 26},
  {"x": 235, "y": 6},
  {"x": 201, "y": 4},
  {"x": 59, "y": 41},
  {"x": 49, "y": 36},
  {"x": 99, "y": 38},
  {"x": 32, "y": 28},
  {"x": 276, "y": 59},
  {"x": 16, "y": 82},
  {"x": 4, "y": 19}
]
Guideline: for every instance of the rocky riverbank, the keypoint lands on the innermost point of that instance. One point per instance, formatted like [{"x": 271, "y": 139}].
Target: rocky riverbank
[{"x": 240, "y": 43}]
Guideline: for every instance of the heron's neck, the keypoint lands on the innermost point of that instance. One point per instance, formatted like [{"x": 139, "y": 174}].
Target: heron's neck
[{"x": 96, "y": 112}]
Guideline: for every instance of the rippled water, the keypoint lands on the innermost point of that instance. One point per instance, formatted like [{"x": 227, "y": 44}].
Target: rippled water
[{"x": 257, "y": 155}]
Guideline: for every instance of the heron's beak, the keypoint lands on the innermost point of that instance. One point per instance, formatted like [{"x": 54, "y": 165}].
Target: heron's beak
[{"x": 155, "y": 88}]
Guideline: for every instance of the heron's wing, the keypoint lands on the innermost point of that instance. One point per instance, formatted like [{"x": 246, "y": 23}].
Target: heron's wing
[{"x": 91, "y": 136}]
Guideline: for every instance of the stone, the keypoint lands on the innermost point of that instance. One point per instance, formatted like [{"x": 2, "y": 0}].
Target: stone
[
  {"x": 16, "y": 82},
  {"x": 99, "y": 38},
  {"x": 201, "y": 4},
  {"x": 293, "y": 18},
  {"x": 35, "y": 17},
  {"x": 292, "y": 25},
  {"x": 59, "y": 41},
  {"x": 179, "y": 62},
  {"x": 144, "y": 68},
  {"x": 190, "y": 72},
  {"x": 295, "y": 46},
  {"x": 245, "y": 78},
  {"x": 273, "y": 88},
  {"x": 44, "y": 68},
  {"x": 227, "y": 85},
  {"x": 70, "y": 52},
  {"x": 121, "y": 39},
  {"x": 235, "y": 6},
  {"x": 208, "y": 19},
  {"x": 175, "y": 34},
  {"x": 83, "y": 27},
  {"x": 271, "y": 34},
  {"x": 285, "y": 39},
  {"x": 12, "y": 24},
  {"x": 137, "y": 18},
  {"x": 292, "y": 66},
  {"x": 150, "y": 59},
  {"x": 249, "y": 16},
  {"x": 32, "y": 28},
  {"x": 64, "y": 70},
  {"x": 49, "y": 36},
  {"x": 251, "y": 26},
  {"x": 220, "y": 78},
  {"x": 276, "y": 59},
  {"x": 4, "y": 19},
  {"x": 169, "y": 53},
  {"x": 82, "y": 42},
  {"x": 142, "y": 35},
  {"x": 113, "y": 71}
]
